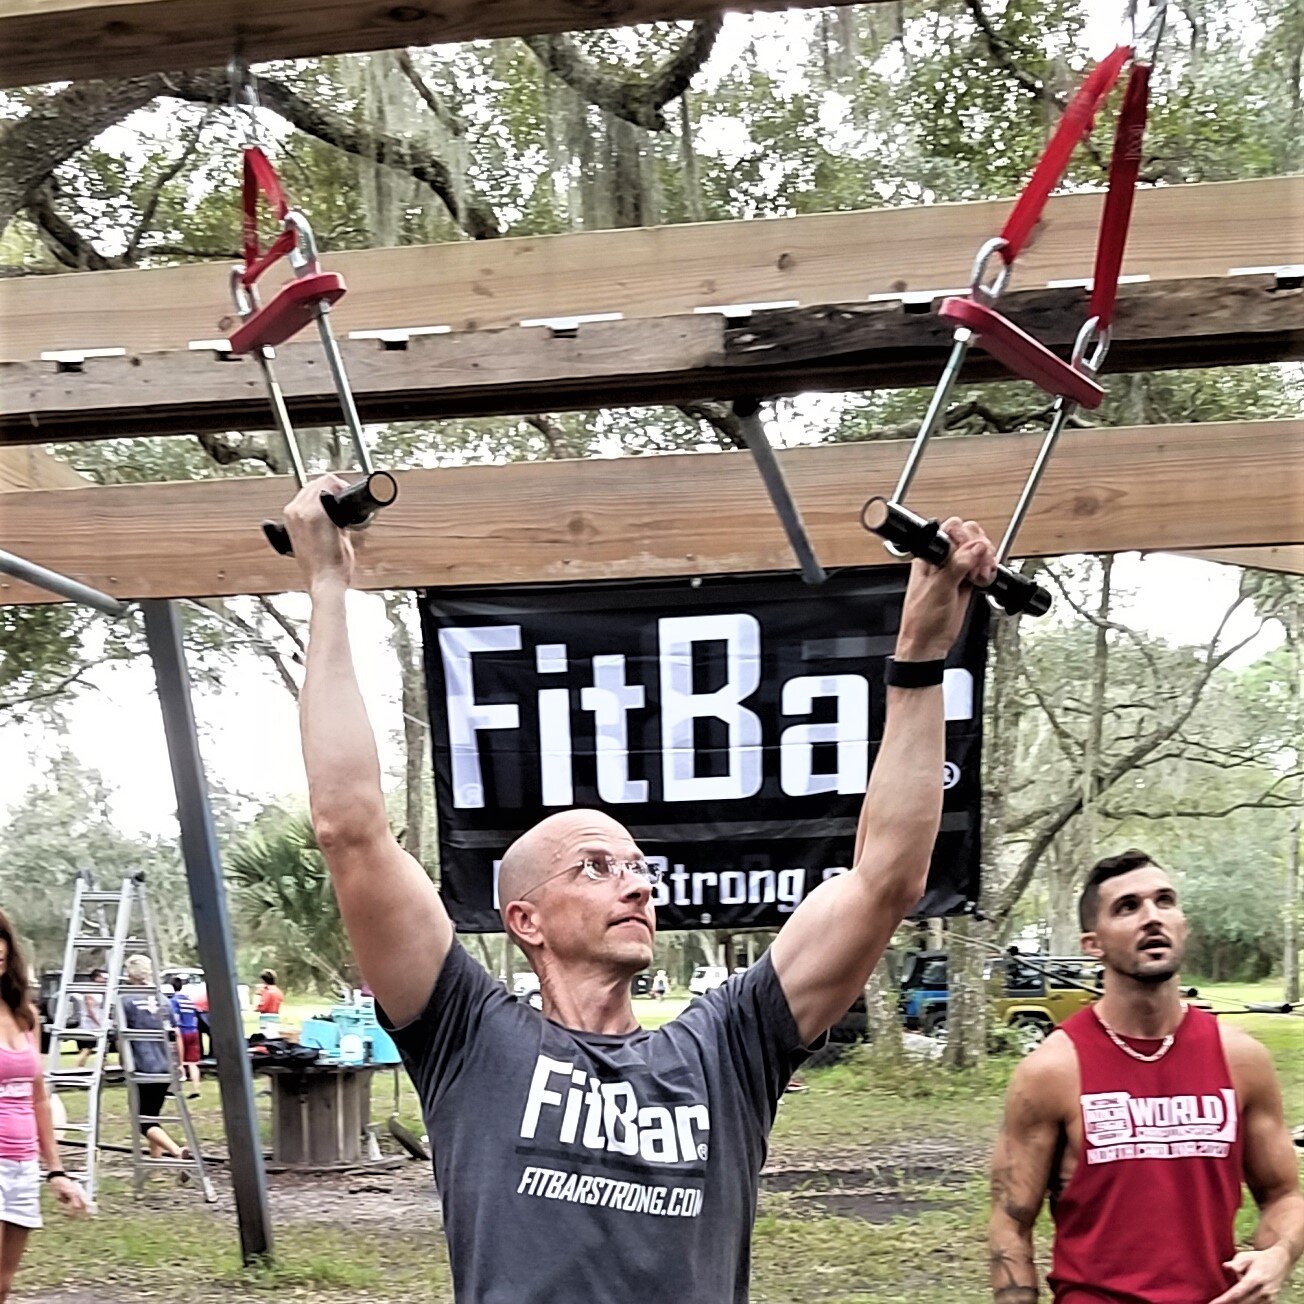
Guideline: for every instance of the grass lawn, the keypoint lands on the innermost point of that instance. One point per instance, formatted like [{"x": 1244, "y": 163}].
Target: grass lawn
[{"x": 874, "y": 1194}]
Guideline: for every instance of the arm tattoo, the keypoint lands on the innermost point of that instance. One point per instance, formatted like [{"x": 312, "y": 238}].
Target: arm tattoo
[{"x": 1003, "y": 1197}]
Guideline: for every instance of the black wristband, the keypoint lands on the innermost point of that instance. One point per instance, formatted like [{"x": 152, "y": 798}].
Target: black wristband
[
  {"x": 53, "y": 1173},
  {"x": 913, "y": 674}
]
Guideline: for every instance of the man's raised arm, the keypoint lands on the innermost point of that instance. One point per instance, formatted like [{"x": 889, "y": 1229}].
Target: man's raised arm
[
  {"x": 825, "y": 953},
  {"x": 396, "y": 923}
]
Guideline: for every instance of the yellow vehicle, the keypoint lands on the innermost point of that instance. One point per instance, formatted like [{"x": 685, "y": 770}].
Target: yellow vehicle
[{"x": 1032, "y": 995}]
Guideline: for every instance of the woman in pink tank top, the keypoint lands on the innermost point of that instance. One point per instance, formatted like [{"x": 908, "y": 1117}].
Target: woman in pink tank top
[{"x": 26, "y": 1128}]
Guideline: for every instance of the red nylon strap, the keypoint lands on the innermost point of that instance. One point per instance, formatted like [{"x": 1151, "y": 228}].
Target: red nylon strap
[
  {"x": 1124, "y": 167},
  {"x": 1073, "y": 127},
  {"x": 260, "y": 178}
]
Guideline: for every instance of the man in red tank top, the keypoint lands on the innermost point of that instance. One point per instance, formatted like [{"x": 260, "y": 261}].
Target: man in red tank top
[{"x": 1141, "y": 1117}]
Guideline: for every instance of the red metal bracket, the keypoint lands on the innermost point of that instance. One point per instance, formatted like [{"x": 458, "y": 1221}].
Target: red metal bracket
[
  {"x": 1022, "y": 354},
  {"x": 284, "y": 316}
]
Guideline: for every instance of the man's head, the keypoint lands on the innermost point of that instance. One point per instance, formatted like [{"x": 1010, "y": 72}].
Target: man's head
[
  {"x": 139, "y": 970},
  {"x": 1131, "y": 919},
  {"x": 177, "y": 984},
  {"x": 559, "y": 897},
  {"x": 99, "y": 976},
  {"x": 268, "y": 977}
]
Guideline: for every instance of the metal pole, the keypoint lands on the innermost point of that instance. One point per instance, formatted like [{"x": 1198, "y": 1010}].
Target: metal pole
[
  {"x": 936, "y": 409},
  {"x": 780, "y": 495},
  {"x": 212, "y": 928},
  {"x": 29, "y": 571},
  {"x": 350, "y": 409},
  {"x": 282, "y": 415}
]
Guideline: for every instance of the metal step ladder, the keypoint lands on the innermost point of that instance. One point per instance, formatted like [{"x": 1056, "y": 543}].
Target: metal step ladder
[{"x": 89, "y": 930}]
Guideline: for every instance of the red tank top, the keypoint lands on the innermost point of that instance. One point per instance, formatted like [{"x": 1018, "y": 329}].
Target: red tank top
[{"x": 1147, "y": 1217}]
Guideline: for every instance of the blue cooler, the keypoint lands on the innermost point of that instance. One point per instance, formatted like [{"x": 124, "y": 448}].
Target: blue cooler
[{"x": 323, "y": 1034}]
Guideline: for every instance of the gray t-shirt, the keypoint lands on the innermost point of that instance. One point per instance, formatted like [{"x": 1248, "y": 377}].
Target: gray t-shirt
[
  {"x": 581, "y": 1168},
  {"x": 140, "y": 1011}
]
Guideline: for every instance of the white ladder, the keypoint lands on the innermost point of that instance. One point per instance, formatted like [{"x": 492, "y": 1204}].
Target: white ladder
[{"x": 88, "y": 931}]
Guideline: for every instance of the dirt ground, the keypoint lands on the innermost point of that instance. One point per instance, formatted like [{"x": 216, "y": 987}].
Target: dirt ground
[{"x": 872, "y": 1183}]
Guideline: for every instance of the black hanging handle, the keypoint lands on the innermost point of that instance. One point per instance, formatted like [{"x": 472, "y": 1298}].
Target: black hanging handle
[
  {"x": 350, "y": 509},
  {"x": 1013, "y": 593}
]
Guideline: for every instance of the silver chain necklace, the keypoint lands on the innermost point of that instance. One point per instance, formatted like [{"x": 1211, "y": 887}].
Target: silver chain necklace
[{"x": 1164, "y": 1046}]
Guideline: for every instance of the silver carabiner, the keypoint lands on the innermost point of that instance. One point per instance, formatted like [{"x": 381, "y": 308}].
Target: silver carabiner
[
  {"x": 989, "y": 293},
  {"x": 1091, "y": 347},
  {"x": 303, "y": 257},
  {"x": 245, "y": 297}
]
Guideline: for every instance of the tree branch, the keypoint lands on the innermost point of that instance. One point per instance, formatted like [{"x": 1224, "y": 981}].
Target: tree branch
[
  {"x": 720, "y": 417},
  {"x": 58, "y": 126},
  {"x": 469, "y": 210},
  {"x": 226, "y": 449},
  {"x": 13, "y": 703},
  {"x": 1058, "y": 816},
  {"x": 445, "y": 116},
  {"x": 257, "y": 639},
  {"x": 64, "y": 241},
  {"x": 1006, "y": 55},
  {"x": 553, "y": 435},
  {"x": 290, "y": 628},
  {"x": 637, "y": 101},
  {"x": 168, "y": 174}
]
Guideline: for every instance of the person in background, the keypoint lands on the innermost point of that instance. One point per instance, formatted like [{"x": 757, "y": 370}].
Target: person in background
[
  {"x": 1142, "y": 1117},
  {"x": 94, "y": 1015},
  {"x": 140, "y": 1012},
  {"x": 200, "y": 1002},
  {"x": 267, "y": 995},
  {"x": 186, "y": 1021},
  {"x": 27, "y": 1137},
  {"x": 660, "y": 985}
]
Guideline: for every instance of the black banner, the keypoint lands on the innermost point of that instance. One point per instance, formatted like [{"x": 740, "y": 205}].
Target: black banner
[{"x": 729, "y": 723}]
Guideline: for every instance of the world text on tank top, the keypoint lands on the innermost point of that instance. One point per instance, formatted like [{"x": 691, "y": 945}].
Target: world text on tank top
[
  {"x": 1147, "y": 1217},
  {"x": 18, "y": 1071}
]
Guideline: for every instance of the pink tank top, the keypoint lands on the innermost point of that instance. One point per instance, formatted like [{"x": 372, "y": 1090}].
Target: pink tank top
[
  {"x": 19, "y": 1069},
  {"x": 1147, "y": 1216}
]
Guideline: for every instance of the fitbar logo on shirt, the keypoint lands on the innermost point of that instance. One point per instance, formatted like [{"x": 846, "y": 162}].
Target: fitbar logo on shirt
[{"x": 607, "y": 1117}]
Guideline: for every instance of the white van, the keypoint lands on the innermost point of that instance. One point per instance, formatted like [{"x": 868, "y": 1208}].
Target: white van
[{"x": 706, "y": 978}]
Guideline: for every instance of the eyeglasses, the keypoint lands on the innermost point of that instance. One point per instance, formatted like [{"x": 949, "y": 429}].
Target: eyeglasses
[{"x": 599, "y": 868}]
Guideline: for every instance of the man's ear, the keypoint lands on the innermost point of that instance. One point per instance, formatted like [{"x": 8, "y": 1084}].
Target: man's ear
[
  {"x": 1091, "y": 945},
  {"x": 519, "y": 916}
]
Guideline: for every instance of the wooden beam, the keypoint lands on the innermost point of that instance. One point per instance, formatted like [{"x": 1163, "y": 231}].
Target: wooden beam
[
  {"x": 1150, "y": 488},
  {"x": 1210, "y": 322},
  {"x": 1286, "y": 560},
  {"x": 34, "y": 468},
  {"x": 57, "y": 40},
  {"x": 1178, "y": 233}
]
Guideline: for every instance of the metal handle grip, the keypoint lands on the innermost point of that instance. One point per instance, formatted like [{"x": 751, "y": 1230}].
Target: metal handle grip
[
  {"x": 279, "y": 537},
  {"x": 897, "y": 525},
  {"x": 353, "y": 508},
  {"x": 350, "y": 509}
]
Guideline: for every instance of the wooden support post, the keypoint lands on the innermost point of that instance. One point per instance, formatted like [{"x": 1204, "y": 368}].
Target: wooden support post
[{"x": 1148, "y": 488}]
